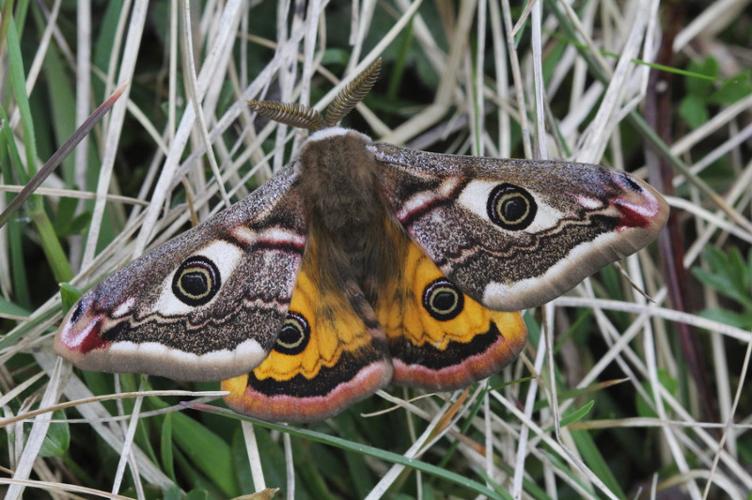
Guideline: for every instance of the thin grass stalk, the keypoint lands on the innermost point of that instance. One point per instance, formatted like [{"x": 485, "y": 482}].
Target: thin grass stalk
[{"x": 127, "y": 67}]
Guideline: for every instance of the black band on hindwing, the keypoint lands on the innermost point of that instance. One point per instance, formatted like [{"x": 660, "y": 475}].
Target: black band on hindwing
[
  {"x": 435, "y": 359},
  {"x": 326, "y": 380}
]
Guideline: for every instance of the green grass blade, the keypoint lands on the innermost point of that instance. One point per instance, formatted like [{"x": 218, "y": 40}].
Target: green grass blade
[
  {"x": 577, "y": 414},
  {"x": 10, "y": 308},
  {"x": 165, "y": 446},
  {"x": 18, "y": 332},
  {"x": 18, "y": 85},
  {"x": 210, "y": 453},
  {"x": 51, "y": 246},
  {"x": 62, "y": 107},
  {"x": 593, "y": 458},
  {"x": 362, "y": 449},
  {"x": 57, "y": 440},
  {"x": 14, "y": 234}
]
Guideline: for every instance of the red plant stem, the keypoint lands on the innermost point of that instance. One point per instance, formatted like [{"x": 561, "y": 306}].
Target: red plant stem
[{"x": 659, "y": 114}]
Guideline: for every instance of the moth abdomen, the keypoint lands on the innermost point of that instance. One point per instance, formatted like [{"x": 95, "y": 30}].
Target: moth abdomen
[{"x": 347, "y": 212}]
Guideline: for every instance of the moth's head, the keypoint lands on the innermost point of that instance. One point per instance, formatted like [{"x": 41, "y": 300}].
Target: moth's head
[{"x": 188, "y": 310}]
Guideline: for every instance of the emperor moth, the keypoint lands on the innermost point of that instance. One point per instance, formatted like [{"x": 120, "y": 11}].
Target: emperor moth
[{"x": 359, "y": 265}]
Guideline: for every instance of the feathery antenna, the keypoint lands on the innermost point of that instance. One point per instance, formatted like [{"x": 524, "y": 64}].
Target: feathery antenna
[
  {"x": 352, "y": 94},
  {"x": 297, "y": 115}
]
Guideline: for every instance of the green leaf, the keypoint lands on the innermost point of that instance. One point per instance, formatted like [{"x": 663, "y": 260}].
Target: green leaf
[
  {"x": 692, "y": 109},
  {"x": 25, "y": 327},
  {"x": 745, "y": 450},
  {"x": 739, "y": 320},
  {"x": 360, "y": 475},
  {"x": 57, "y": 440},
  {"x": 533, "y": 328},
  {"x": 79, "y": 224},
  {"x": 593, "y": 458},
  {"x": 207, "y": 451},
  {"x": 173, "y": 493},
  {"x": 18, "y": 85},
  {"x": 51, "y": 246},
  {"x": 67, "y": 222},
  {"x": 308, "y": 473},
  {"x": 671, "y": 385},
  {"x": 699, "y": 86},
  {"x": 272, "y": 458},
  {"x": 739, "y": 271},
  {"x": 103, "y": 45},
  {"x": 727, "y": 275},
  {"x": 577, "y": 414},
  {"x": 724, "y": 285},
  {"x": 565, "y": 395},
  {"x": 197, "y": 494},
  {"x": 14, "y": 232},
  {"x": 733, "y": 89},
  {"x": 69, "y": 295},
  {"x": 193, "y": 477},
  {"x": 66, "y": 211},
  {"x": 578, "y": 330},
  {"x": 165, "y": 447},
  {"x": 360, "y": 448},
  {"x": 14, "y": 157},
  {"x": 8, "y": 307},
  {"x": 62, "y": 110},
  {"x": 333, "y": 56},
  {"x": 500, "y": 492},
  {"x": 240, "y": 462}
]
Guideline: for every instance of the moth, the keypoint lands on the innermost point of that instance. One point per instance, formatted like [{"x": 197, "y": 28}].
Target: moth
[{"x": 361, "y": 264}]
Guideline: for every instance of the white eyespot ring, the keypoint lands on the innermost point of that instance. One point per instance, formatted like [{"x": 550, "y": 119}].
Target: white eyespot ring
[
  {"x": 294, "y": 335},
  {"x": 511, "y": 207}
]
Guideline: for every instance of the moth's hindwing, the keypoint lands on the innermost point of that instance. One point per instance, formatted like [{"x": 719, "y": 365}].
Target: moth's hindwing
[
  {"x": 206, "y": 305},
  {"x": 329, "y": 354},
  {"x": 440, "y": 338},
  {"x": 514, "y": 234}
]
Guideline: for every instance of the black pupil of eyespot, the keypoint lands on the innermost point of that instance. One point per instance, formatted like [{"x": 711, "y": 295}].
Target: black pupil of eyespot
[
  {"x": 194, "y": 283},
  {"x": 511, "y": 207},
  {"x": 444, "y": 300},
  {"x": 294, "y": 335},
  {"x": 514, "y": 208},
  {"x": 290, "y": 333}
]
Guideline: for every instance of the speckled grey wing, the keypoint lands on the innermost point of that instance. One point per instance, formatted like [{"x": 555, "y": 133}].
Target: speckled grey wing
[
  {"x": 205, "y": 305},
  {"x": 514, "y": 234}
]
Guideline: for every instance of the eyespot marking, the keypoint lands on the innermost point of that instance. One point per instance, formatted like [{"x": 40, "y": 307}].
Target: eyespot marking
[
  {"x": 196, "y": 281},
  {"x": 443, "y": 300},
  {"x": 222, "y": 253},
  {"x": 475, "y": 197},
  {"x": 511, "y": 207},
  {"x": 294, "y": 335}
]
